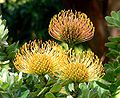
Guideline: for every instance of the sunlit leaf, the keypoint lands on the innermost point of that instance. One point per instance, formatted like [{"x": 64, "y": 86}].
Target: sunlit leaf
[
  {"x": 5, "y": 86},
  {"x": 49, "y": 95},
  {"x": 115, "y": 15},
  {"x": 25, "y": 94},
  {"x": 56, "y": 88}
]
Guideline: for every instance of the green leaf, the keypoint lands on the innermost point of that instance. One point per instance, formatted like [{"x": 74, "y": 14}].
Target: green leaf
[
  {"x": 118, "y": 47},
  {"x": 114, "y": 39},
  {"x": 67, "y": 88},
  {"x": 83, "y": 86},
  {"x": 102, "y": 85},
  {"x": 105, "y": 94},
  {"x": 111, "y": 45},
  {"x": 12, "y": 47},
  {"x": 93, "y": 95},
  {"x": 116, "y": 64},
  {"x": 117, "y": 83},
  {"x": 117, "y": 70},
  {"x": 115, "y": 15},
  {"x": 5, "y": 86},
  {"x": 113, "y": 53},
  {"x": 5, "y": 95},
  {"x": 84, "y": 89},
  {"x": 107, "y": 66},
  {"x": 2, "y": 56},
  {"x": 114, "y": 19},
  {"x": 84, "y": 93},
  {"x": 3, "y": 32},
  {"x": 118, "y": 58},
  {"x": 25, "y": 94},
  {"x": 109, "y": 19},
  {"x": 117, "y": 23},
  {"x": 50, "y": 82},
  {"x": 117, "y": 95},
  {"x": 56, "y": 88},
  {"x": 110, "y": 75},
  {"x": 113, "y": 88},
  {"x": 38, "y": 86},
  {"x": 11, "y": 50},
  {"x": 49, "y": 95}
]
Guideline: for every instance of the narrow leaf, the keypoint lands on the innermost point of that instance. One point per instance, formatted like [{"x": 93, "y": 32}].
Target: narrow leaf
[
  {"x": 102, "y": 85},
  {"x": 56, "y": 88},
  {"x": 115, "y": 15},
  {"x": 111, "y": 45},
  {"x": 49, "y": 95},
  {"x": 109, "y": 19},
  {"x": 25, "y": 94},
  {"x": 114, "y": 39},
  {"x": 117, "y": 70}
]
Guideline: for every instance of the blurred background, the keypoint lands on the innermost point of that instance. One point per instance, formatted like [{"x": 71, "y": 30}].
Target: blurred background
[{"x": 29, "y": 19}]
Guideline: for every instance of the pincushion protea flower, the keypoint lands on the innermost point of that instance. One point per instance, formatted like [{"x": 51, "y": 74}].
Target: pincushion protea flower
[
  {"x": 83, "y": 68},
  {"x": 37, "y": 57},
  {"x": 70, "y": 27}
]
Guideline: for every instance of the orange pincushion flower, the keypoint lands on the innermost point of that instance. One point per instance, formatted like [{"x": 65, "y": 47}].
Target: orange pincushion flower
[
  {"x": 83, "y": 68},
  {"x": 71, "y": 28},
  {"x": 37, "y": 57}
]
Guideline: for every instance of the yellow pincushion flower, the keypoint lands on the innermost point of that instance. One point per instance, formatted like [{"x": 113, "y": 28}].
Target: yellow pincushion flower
[
  {"x": 37, "y": 57},
  {"x": 71, "y": 28},
  {"x": 83, "y": 68}
]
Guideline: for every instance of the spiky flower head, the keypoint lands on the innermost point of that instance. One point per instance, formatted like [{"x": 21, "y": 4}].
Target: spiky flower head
[
  {"x": 71, "y": 27},
  {"x": 37, "y": 57},
  {"x": 83, "y": 68}
]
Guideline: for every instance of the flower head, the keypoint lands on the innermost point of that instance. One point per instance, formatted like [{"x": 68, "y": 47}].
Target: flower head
[
  {"x": 37, "y": 57},
  {"x": 71, "y": 28},
  {"x": 83, "y": 68}
]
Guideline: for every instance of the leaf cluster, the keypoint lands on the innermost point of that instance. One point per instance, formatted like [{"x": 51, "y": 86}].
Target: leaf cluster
[
  {"x": 114, "y": 19},
  {"x": 112, "y": 68}
]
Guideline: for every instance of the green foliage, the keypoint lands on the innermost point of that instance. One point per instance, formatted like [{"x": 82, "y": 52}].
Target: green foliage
[
  {"x": 112, "y": 68},
  {"x": 24, "y": 94},
  {"x": 114, "y": 19},
  {"x": 10, "y": 83},
  {"x": 7, "y": 52},
  {"x": 3, "y": 33}
]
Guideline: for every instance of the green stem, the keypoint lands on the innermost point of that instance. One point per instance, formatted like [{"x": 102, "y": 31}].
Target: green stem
[{"x": 70, "y": 46}]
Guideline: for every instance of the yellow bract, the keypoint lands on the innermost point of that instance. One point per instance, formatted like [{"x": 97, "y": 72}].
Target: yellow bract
[
  {"x": 81, "y": 68},
  {"x": 38, "y": 58}
]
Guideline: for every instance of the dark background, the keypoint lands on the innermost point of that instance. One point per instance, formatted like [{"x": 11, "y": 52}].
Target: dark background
[{"x": 29, "y": 19}]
